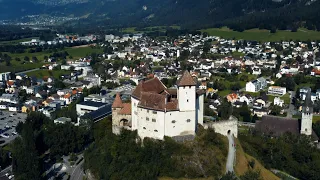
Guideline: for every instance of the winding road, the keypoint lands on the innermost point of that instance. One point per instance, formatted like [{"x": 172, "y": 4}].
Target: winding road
[{"x": 231, "y": 154}]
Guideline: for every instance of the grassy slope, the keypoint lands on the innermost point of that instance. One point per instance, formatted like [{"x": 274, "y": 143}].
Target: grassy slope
[
  {"x": 242, "y": 160},
  {"x": 264, "y": 35}
]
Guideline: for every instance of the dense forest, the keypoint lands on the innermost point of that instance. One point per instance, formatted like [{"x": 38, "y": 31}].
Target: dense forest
[{"x": 126, "y": 157}]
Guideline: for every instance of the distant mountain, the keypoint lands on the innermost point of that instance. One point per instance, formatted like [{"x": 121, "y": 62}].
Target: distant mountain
[{"x": 239, "y": 14}]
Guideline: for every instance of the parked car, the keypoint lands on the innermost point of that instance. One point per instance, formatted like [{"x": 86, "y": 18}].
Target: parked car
[{"x": 5, "y": 135}]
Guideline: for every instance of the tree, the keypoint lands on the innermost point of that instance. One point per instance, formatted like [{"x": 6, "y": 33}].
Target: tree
[
  {"x": 26, "y": 58},
  {"x": 275, "y": 110},
  {"x": 25, "y": 159},
  {"x": 250, "y": 175},
  {"x": 225, "y": 109},
  {"x": 229, "y": 176}
]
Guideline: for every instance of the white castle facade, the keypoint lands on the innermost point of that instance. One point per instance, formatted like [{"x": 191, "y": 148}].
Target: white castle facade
[{"x": 156, "y": 111}]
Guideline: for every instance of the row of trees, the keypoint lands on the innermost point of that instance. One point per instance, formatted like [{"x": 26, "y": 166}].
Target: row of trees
[{"x": 39, "y": 134}]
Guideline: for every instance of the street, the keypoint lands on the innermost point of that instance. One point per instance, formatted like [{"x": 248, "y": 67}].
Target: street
[
  {"x": 231, "y": 154},
  {"x": 77, "y": 173}
]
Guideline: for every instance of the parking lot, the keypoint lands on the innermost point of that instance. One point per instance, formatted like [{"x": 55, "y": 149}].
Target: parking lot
[{"x": 8, "y": 123}]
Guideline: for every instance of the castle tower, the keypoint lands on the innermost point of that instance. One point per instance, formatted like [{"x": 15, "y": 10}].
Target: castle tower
[
  {"x": 307, "y": 113},
  {"x": 117, "y": 105},
  {"x": 186, "y": 92}
]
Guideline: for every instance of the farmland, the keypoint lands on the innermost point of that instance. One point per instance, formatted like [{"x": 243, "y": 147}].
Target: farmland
[{"x": 264, "y": 35}]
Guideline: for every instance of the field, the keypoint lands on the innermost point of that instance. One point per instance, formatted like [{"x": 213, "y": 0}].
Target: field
[
  {"x": 17, "y": 66},
  {"x": 148, "y": 29},
  {"x": 44, "y": 72},
  {"x": 264, "y": 35},
  {"x": 16, "y": 41}
]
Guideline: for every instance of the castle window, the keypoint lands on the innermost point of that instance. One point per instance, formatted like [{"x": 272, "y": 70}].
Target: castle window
[
  {"x": 306, "y": 130},
  {"x": 147, "y": 111},
  {"x": 187, "y": 100},
  {"x": 173, "y": 121},
  {"x": 188, "y": 120},
  {"x": 155, "y": 130},
  {"x": 154, "y": 120},
  {"x": 113, "y": 108},
  {"x": 154, "y": 112},
  {"x": 144, "y": 128},
  {"x": 147, "y": 119}
]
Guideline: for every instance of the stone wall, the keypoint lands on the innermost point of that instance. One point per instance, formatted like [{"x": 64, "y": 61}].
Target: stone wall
[{"x": 224, "y": 126}]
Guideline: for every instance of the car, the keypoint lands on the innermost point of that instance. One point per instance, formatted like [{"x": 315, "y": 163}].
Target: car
[
  {"x": 14, "y": 133},
  {"x": 11, "y": 177},
  {"x": 7, "y": 174},
  {"x": 5, "y": 135}
]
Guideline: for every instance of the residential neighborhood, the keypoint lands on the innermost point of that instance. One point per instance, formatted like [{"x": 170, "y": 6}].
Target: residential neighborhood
[{"x": 165, "y": 87}]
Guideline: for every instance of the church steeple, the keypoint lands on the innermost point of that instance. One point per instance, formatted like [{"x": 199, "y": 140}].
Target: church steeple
[{"x": 307, "y": 114}]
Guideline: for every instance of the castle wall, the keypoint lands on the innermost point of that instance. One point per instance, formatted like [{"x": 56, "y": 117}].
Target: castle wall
[
  {"x": 224, "y": 126},
  {"x": 180, "y": 123}
]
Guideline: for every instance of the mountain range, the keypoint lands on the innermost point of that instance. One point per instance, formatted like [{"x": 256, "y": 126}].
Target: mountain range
[{"x": 242, "y": 14}]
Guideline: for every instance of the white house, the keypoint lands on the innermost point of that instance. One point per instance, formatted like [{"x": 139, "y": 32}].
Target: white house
[
  {"x": 157, "y": 111},
  {"x": 5, "y": 76},
  {"x": 277, "y": 101},
  {"x": 256, "y": 85},
  {"x": 277, "y": 90}
]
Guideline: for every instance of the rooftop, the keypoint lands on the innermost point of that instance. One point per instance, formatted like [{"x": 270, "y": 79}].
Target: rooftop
[{"x": 92, "y": 103}]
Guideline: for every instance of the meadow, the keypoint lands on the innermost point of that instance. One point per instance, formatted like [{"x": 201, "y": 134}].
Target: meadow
[
  {"x": 264, "y": 35},
  {"x": 18, "y": 66}
]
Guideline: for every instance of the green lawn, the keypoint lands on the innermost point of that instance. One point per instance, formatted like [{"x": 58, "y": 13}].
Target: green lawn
[
  {"x": 264, "y": 35},
  {"x": 285, "y": 97},
  {"x": 81, "y": 52},
  {"x": 17, "y": 66},
  {"x": 315, "y": 119},
  {"x": 44, "y": 72},
  {"x": 16, "y": 41},
  {"x": 224, "y": 93}
]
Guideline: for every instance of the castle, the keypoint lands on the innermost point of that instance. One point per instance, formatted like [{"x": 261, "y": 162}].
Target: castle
[{"x": 156, "y": 111}]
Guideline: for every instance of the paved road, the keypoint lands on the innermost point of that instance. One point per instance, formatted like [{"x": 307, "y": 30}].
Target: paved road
[
  {"x": 4, "y": 171},
  {"x": 231, "y": 154},
  {"x": 31, "y": 70},
  {"x": 77, "y": 173}
]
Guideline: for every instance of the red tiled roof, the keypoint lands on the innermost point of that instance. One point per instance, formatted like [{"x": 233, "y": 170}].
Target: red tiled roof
[
  {"x": 152, "y": 85},
  {"x": 186, "y": 80},
  {"x": 152, "y": 100},
  {"x": 117, "y": 103},
  {"x": 126, "y": 110}
]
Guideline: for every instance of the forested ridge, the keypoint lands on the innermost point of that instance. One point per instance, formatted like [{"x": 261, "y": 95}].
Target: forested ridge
[{"x": 237, "y": 14}]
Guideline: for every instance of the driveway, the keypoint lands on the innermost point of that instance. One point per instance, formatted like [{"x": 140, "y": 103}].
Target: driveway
[{"x": 231, "y": 154}]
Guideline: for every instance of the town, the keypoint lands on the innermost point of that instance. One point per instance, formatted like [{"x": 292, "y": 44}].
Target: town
[{"x": 165, "y": 87}]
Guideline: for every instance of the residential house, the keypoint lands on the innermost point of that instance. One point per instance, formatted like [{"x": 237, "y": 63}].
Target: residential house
[
  {"x": 232, "y": 97},
  {"x": 256, "y": 85},
  {"x": 277, "y": 90},
  {"x": 277, "y": 101}
]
